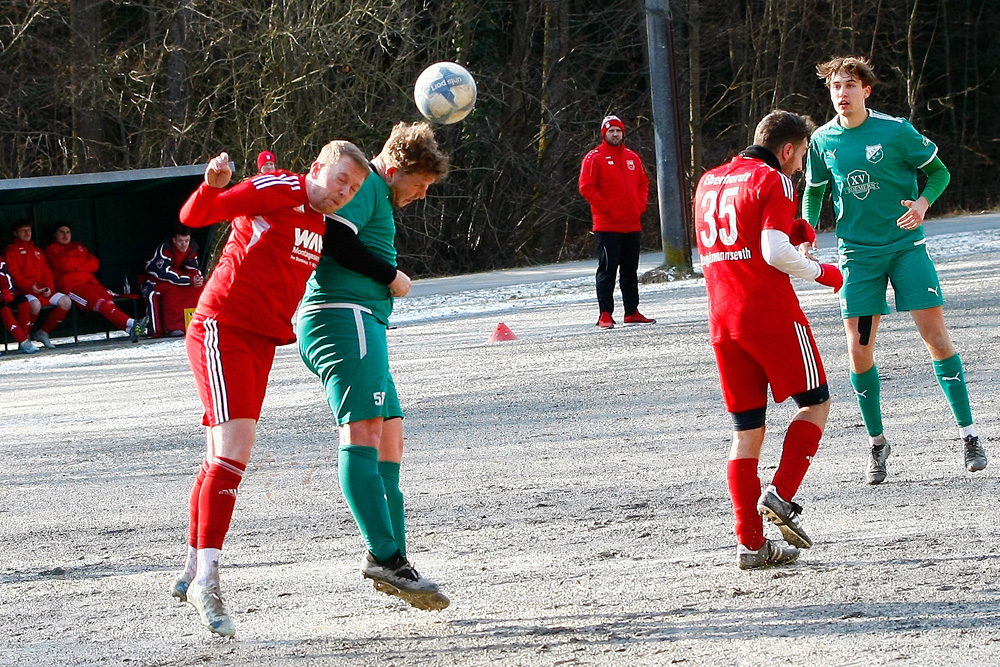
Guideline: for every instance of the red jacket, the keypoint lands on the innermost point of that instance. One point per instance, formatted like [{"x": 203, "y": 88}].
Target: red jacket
[
  {"x": 28, "y": 267},
  {"x": 72, "y": 264},
  {"x": 615, "y": 183}
]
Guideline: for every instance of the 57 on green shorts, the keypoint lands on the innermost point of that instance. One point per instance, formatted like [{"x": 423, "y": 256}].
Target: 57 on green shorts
[
  {"x": 910, "y": 270},
  {"x": 346, "y": 348}
]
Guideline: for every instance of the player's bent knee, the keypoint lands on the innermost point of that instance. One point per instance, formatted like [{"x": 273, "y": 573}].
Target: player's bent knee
[
  {"x": 749, "y": 420},
  {"x": 820, "y": 394}
]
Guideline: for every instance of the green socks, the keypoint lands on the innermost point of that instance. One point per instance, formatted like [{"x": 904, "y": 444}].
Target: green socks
[
  {"x": 868, "y": 390},
  {"x": 949, "y": 375},
  {"x": 365, "y": 494},
  {"x": 394, "y": 498},
  {"x": 952, "y": 380}
]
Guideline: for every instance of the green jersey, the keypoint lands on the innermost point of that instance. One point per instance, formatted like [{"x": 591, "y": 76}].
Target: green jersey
[
  {"x": 873, "y": 168},
  {"x": 370, "y": 215}
]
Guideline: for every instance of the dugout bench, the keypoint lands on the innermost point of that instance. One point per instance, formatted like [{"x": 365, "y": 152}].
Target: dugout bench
[
  {"x": 121, "y": 216},
  {"x": 79, "y": 322}
]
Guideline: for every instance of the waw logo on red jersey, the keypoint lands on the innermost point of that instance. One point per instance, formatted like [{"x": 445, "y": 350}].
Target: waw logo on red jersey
[{"x": 308, "y": 240}]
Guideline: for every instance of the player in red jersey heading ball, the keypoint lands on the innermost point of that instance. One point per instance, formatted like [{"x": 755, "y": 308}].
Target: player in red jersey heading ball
[
  {"x": 245, "y": 311},
  {"x": 747, "y": 237}
]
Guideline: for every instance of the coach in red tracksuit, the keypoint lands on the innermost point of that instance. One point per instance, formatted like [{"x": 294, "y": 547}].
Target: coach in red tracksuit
[
  {"x": 174, "y": 284},
  {"x": 74, "y": 267},
  {"x": 614, "y": 182}
]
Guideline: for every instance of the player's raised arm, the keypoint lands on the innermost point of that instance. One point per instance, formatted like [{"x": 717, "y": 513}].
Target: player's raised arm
[
  {"x": 218, "y": 173},
  {"x": 197, "y": 210}
]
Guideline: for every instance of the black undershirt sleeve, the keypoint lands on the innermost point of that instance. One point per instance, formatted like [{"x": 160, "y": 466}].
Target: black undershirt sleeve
[{"x": 343, "y": 245}]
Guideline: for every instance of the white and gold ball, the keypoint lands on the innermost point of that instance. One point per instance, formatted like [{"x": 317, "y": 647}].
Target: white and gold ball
[{"x": 445, "y": 93}]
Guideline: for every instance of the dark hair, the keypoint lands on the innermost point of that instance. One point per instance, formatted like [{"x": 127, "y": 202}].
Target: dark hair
[
  {"x": 181, "y": 230},
  {"x": 782, "y": 127},
  {"x": 857, "y": 67}
]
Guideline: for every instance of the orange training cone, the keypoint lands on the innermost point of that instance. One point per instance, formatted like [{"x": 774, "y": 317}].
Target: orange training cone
[{"x": 502, "y": 332}]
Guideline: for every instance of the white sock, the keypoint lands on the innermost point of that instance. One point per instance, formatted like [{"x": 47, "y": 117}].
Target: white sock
[
  {"x": 191, "y": 564},
  {"x": 968, "y": 430},
  {"x": 208, "y": 567},
  {"x": 876, "y": 439},
  {"x": 130, "y": 324}
]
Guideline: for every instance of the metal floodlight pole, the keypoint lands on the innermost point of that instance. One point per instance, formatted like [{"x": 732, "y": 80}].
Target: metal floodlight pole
[{"x": 670, "y": 187}]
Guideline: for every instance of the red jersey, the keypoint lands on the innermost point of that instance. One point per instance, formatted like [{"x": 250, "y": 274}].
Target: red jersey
[
  {"x": 275, "y": 243},
  {"x": 733, "y": 204},
  {"x": 614, "y": 182},
  {"x": 72, "y": 264},
  {"x": 28, "y": 267}
]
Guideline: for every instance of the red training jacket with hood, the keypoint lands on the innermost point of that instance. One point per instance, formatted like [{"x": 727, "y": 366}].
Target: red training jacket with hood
[{"x": 615, "y": 183}]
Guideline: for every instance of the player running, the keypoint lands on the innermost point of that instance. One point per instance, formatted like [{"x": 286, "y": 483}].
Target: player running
[
  {"x": 872, "y": 160},
  {"x": 342, "y": 339},
  {"x": 744, "y": 214},
  {"x": 245, "y": 311}
]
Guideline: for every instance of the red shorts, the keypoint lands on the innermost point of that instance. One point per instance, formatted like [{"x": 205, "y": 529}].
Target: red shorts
[
  {"x": 230, "y": 367},
  {"x": 786, "y": 359},
  {"x": 88, "y": 295}
]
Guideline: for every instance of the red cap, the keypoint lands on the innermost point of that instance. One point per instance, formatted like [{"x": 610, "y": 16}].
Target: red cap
[
  {"x": 264, "y": 158},
  {"x": 609, "y": 122}
]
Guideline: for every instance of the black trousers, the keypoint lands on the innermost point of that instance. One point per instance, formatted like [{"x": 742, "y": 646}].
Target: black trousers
[{"x": 618, "y": 252}]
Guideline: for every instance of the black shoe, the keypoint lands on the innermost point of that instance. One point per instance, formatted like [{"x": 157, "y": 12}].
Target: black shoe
[
  {"x": 975, "y": 455},
  {"x": 876, "y": 463},
  {"x": 785, "y": 515}
]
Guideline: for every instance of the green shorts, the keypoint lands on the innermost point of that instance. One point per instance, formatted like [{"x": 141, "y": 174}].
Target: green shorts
[
  {"x": 345, "y": 347},
  {"x": 910, "y": 270}
]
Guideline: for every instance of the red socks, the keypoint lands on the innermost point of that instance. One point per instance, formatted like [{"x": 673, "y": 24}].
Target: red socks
[
  {"x": 193, "y": 505},
  {"x": 801, "y": 443},
  {"x": 24, "y": 317},
  {"x": 56, "y": 316},
  {"x": 216, "y": 501},
  {"x": 10, "y": 324},
  {"x": 744, "y": 490},
  {"x": 111, "y": 313}
]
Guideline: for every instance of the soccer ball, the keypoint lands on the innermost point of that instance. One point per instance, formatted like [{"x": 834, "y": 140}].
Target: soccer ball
[{"x": 445, "y": 93}]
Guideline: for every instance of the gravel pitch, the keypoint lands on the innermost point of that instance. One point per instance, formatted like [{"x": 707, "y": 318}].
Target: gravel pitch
[{"x": 566, "y": 489}]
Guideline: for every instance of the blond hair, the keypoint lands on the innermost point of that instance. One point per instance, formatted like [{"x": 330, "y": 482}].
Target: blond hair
[
  {"x": 412, "y": 148},
  {"x": 335, "y": 150}
]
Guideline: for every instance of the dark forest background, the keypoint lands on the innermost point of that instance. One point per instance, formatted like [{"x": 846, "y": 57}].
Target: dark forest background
[{"x": 103, "y": 85}]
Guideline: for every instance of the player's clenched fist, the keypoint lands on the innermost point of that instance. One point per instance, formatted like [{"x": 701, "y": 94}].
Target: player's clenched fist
[
  {"x": 830, "y": 276},
  {"x": 218, "y": 173},
  {"x": 400, "y": 286}
]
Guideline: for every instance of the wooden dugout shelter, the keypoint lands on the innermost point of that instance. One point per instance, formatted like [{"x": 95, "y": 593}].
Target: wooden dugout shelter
[{"x": 121, "y": 216}]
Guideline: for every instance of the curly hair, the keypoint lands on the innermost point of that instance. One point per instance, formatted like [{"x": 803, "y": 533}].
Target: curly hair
[
  {"x": 858, "y": 67},
  {"x": 412, "y": 148}
]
